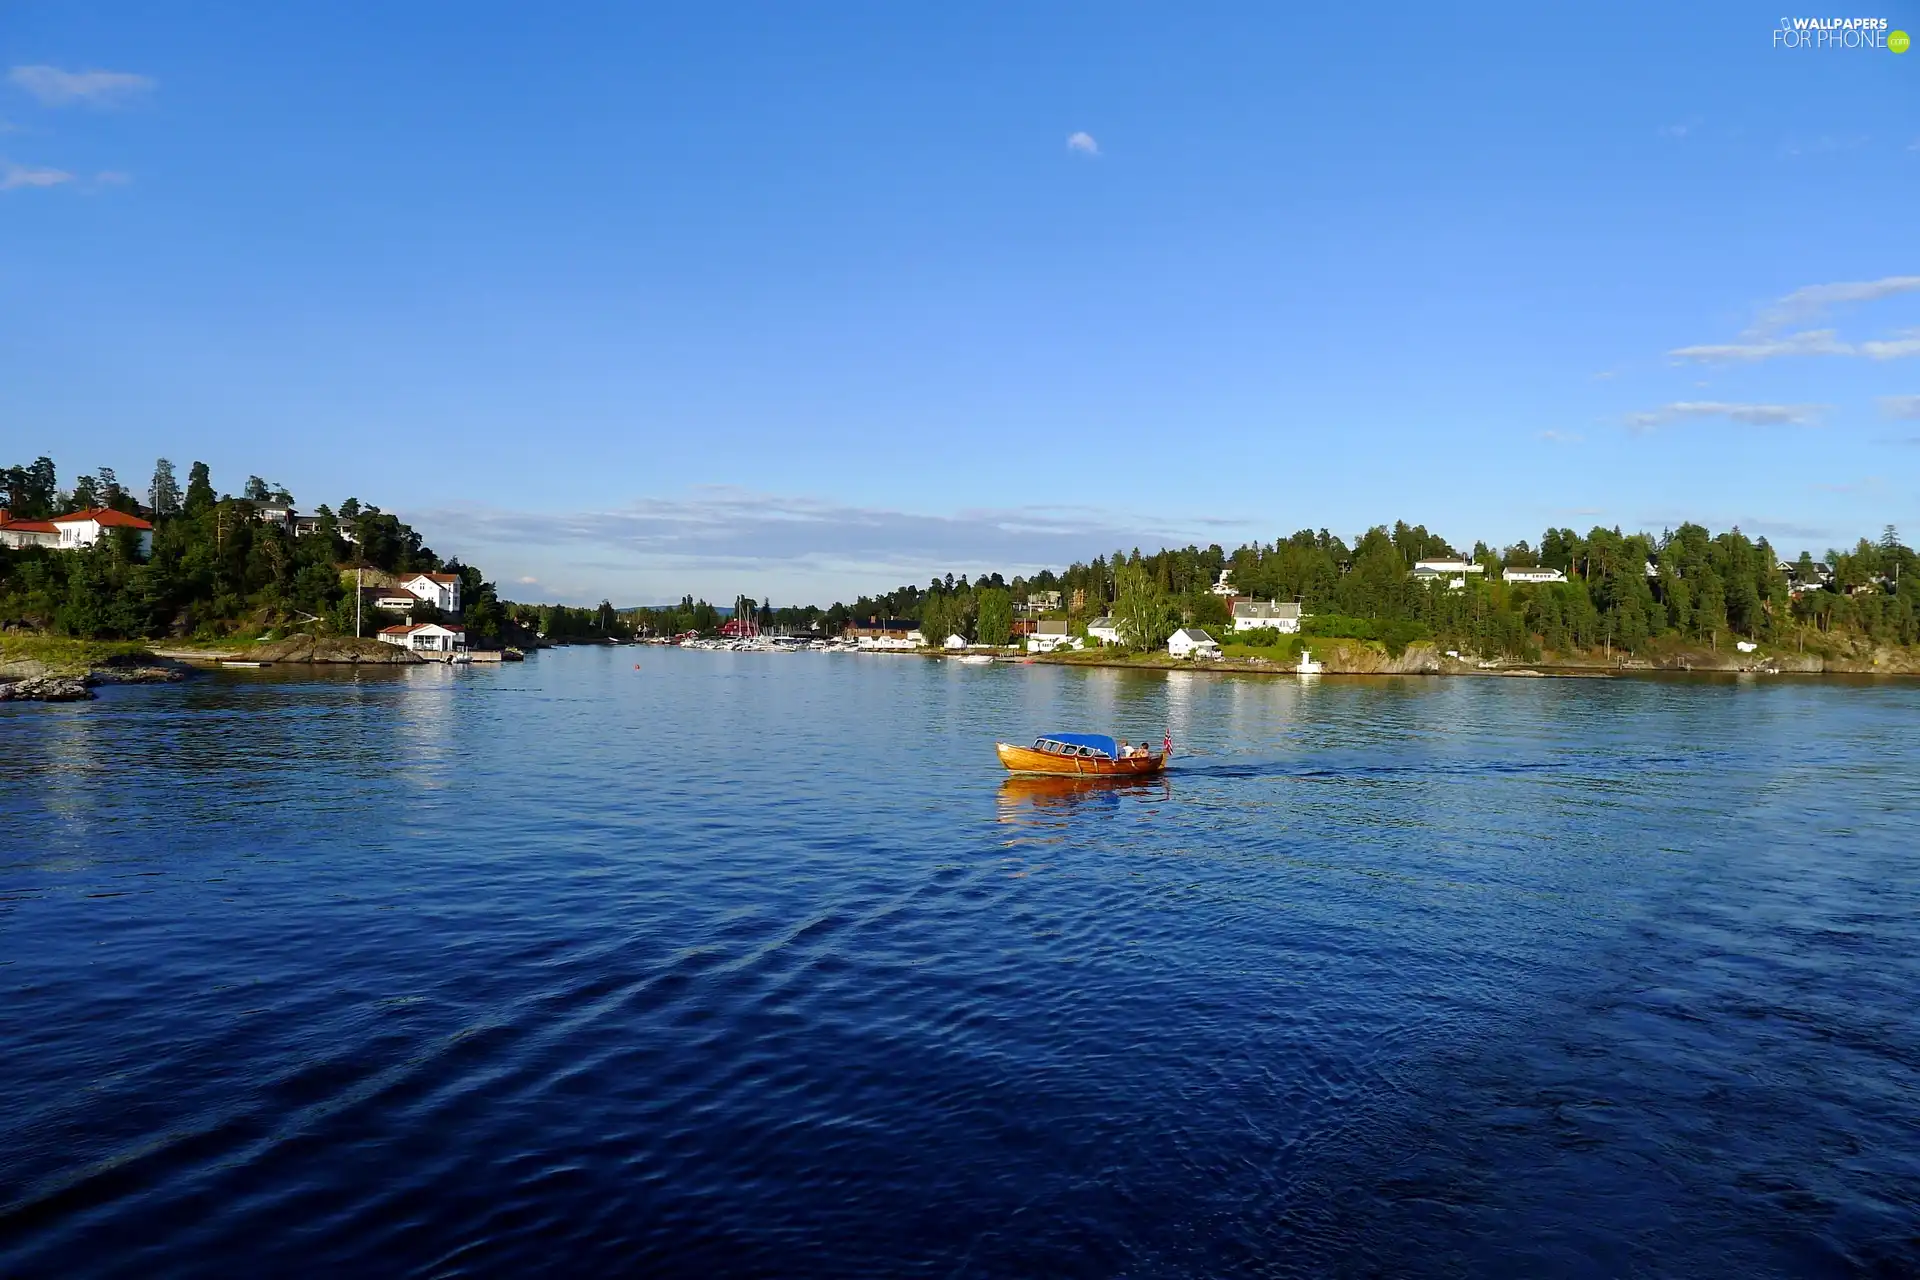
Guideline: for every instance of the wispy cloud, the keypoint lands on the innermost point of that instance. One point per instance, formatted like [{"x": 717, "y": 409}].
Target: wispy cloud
[
  {"x": 57, "y": 88},
  {"x": 1901, "y": 407},
  {"x": 1817, "y": 299},
  {"x": 1905, "y": 343},
  {"x": 1823, "y": 144},
  {"x": 1681, "y": 130},
  {"x": 1083, "y": 143},
  {"x": 1812, "y": 342},
  {"x": 13, "y": 176},
  {"x": 1767, "y": 339},
  {"x": 1562, "y": 437},
  {"x": 1753, "y": 415},
  {"x": 737, "y": 529}
]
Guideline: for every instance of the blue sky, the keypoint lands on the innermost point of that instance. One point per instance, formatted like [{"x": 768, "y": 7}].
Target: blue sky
[{"x": 803, "y": 300}]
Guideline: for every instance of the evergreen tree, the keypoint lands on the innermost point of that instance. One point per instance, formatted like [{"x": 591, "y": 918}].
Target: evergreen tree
[
  {"x": 200, "y": 496},
  {"x": 163, "y": 492}
]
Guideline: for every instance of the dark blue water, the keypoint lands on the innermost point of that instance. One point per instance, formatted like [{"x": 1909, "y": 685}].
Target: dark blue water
[{"x": 754, "y": 965}]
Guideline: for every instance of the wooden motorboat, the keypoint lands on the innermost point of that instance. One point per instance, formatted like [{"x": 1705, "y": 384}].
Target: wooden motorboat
[{"x": 1085, "y": 755}]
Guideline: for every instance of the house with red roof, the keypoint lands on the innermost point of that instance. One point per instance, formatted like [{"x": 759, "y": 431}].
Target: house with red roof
[
  {"x": 83, "y": 528},
  {"x": 26, "y": 533},
  {"x": 441, "y": 590},
  {"x": 72, "y": 531},
  {"x": 428, "y": 637}
]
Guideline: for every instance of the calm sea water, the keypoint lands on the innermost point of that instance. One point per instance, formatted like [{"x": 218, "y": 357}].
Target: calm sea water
[{"x": 756, "y": 965}]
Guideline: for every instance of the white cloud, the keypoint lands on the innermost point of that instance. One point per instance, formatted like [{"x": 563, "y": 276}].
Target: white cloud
[
  {"x": 1817, "y": 299},
  {"x": 1562, "y": 437},
  {"x": 718, "y": 539},
  {"x": 112, "y": 178},
  {"x": 19, "y": 175},
  {"x": 57, "y": 88},
  {"x": 1753, "y": 415},
  {"x": 1764, "y": 340},
  {"x": 528, "y": 580},
  {"x": 1900, "y": 406},
  {"x": 1083, "y": 143},
  {"x": 1811, "y": 342},
  {"x": 1905, "y": 343}
]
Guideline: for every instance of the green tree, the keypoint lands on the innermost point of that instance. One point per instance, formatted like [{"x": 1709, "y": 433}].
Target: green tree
[
  {"x": 163, "y": 491},
  {"x": 994, "y": 621},
  {"x": 200, "y": 496},
  {"x": 1144, "y": 614}
]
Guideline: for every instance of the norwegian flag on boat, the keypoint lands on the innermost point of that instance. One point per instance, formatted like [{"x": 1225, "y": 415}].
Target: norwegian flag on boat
[{"x": 1166, "y": 746}]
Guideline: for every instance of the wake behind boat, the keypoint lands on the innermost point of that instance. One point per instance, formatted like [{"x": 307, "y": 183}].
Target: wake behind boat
[{"x": 1083, "y": 755}]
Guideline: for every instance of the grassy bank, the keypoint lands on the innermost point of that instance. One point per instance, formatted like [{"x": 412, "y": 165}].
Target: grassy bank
[{"x": 62, "y": 655}]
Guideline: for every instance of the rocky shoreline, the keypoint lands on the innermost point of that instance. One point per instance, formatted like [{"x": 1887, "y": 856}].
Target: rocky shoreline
[{"x": 30, "y": 680}]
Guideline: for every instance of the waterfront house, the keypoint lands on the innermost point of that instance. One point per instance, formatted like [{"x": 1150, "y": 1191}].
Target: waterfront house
[
  {"x": 1048, "y": 636},
  {"x": 1453, "y": 571},
  {"x": 1525, "y": 574},
  {"x": 83, "y": 528},
  {"x": 1041, "y": 602},
  {"x": 1191, "y": 642},
  {"x": 1271, "y": 615},
  {"x": 441, "y": 590},
  {"x": 26, "y": 533},
  {"x": 956, "y": 641},
  {"x": 1104, "y": 631},
  {"x": 427, "y": 637},
  {"x": 392, "y": 599},
  {"x": 1222, "y": 587}
]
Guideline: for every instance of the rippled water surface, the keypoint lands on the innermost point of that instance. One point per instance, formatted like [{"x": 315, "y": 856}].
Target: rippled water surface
[{"x": 744, "y": 964}]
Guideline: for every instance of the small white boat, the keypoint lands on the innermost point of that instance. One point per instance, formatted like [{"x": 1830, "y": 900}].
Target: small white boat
[
  {"x": 227, "y": 662},
  {"x": 1307, "y": 667},
  {"x": 976, "y": 660}
]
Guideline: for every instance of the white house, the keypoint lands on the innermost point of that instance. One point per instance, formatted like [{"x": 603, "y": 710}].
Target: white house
[
  {"x": 83, "y": 528},
  {"x": 1048, "y": 636},
  {"x": 432, "y": 637},
  {"x": 1454, "y": 571},
  {"x": 26, "y": 533},
  {"x": 956, "y": 641},
  {"x": 1255, "y": 615},
  {"x": 441, "y": 590},
  {"x": 1191, "y": 642},
  {"x": 1221, "y": 586},
  {"x": 394, "y": 599},
  {"x": 1532, "y": 575},
  {"x": 1104, "y": 631}
]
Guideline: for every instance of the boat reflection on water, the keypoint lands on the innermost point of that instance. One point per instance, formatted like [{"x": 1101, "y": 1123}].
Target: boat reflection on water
[{"x": 1065, "y": 794}]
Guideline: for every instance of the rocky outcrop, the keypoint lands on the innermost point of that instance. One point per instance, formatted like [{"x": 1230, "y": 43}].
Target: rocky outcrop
[
  {"x": 24, "y": 669},
  {"x": 332, "y": 649},
  {"x": 118, "y": 673},
  {"x": 45, "y": 689},
  {"x": 1357, "y": 658}
]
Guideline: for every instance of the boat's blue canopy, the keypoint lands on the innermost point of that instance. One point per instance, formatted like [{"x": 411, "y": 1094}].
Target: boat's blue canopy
[{"x": 1098, "y": 741}]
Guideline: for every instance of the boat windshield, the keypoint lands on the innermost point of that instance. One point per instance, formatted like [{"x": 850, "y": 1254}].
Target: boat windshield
[{"x": 1092, "y": 746}]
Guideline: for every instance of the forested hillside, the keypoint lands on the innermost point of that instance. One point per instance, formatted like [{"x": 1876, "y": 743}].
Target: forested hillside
[
  {"x": 217, "y": 569},
  {"x": 1624, "y": 592}
]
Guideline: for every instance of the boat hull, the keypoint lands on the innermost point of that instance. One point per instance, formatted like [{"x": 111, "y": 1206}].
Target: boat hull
[{"x": 1027, "y": 760}]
